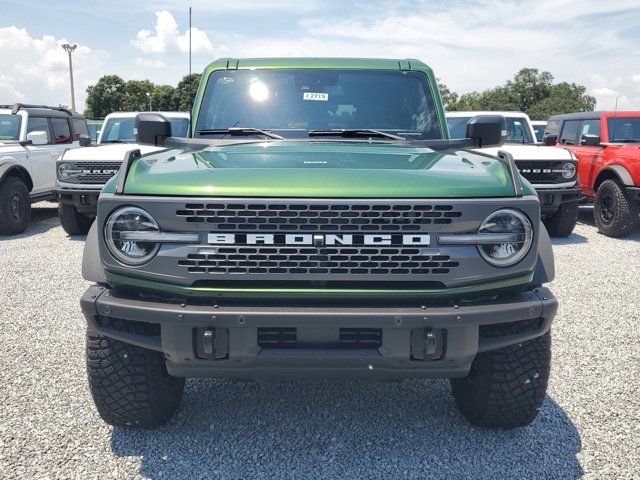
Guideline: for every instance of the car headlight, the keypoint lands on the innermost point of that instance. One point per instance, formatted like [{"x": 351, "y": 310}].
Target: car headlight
[
  {"x": 120, "y": 232},
  {"x": 568, "y": 170},
  {"x": 66, "y": 170},
  {"x": 506, "y": 253}
]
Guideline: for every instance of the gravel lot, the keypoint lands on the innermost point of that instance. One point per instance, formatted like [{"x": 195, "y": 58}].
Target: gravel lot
[{"x": 589, "y": 426}]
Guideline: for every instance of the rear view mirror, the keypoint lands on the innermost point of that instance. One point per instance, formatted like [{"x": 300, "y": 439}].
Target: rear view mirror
[
  {"x": 487, "y": 130},
  {"x": 152, "y": 129},
  {"x": 590, "y": 140},
  {"x": 550, "y": 140},
  {"x": 38, "y": 138},
  {"x": 84, "y": 141}
]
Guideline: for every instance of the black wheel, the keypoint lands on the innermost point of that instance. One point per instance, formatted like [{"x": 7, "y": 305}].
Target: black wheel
[
  {"x": 505, "y": 387},
  {"x": 15, "y": 206},
  {"x": 73, "y": 222},
  {"x": 614, "y": 212},
  {"x": 130, "y": 385},
  {"x": 562, "y": 223}
]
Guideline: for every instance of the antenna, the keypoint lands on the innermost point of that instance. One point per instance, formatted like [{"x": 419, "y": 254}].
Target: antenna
[
  {"x": 616, "y": 110},
  {"x": 190, "y": 78}
]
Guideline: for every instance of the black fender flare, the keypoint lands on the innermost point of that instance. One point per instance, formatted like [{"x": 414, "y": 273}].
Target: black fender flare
[
  {"x": 619, "y": 171},
  {"x": 8, "y": 167},
  {"x": 91, "y": 263},
  {"x": 545, "y": 270}
]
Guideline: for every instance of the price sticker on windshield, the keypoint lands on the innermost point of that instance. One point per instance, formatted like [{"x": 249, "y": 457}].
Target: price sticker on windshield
[{"x": 317, "y": 96}]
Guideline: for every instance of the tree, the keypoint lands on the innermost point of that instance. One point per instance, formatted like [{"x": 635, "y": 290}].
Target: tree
[
  {"x": 105, "y": 97},
  {"x": 186, "y": 91},
  {"x": 136, "y": 98},
  {"x": 164, "y": 98},
  {"x": 449, "y": 97}
]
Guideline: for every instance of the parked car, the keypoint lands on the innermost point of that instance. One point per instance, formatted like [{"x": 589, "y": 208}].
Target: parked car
[
  {"x": 320, "y": 223},
  {"x": 32, "y": 137},
  {"x": 94, "y": 125},
  {"x": 538, "y": 129},
  {"x": 81, "y": 175},
  {"x": 608, "y": 151},
  {"x": 552, "y": 172}
]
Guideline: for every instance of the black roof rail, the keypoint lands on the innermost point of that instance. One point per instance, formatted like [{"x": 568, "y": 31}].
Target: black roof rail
[{"x": 16, "y": 107}]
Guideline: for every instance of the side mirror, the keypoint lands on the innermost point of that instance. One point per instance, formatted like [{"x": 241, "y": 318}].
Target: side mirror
[
  {"x": 550, "y": 140},
  {"x": 38, "y": 137},
  {"x": 84, "y": 141},
  {"x": 487, "y": 130},
  {"x": 152, "y": 129},
  {"x": 590, "y": 140}
]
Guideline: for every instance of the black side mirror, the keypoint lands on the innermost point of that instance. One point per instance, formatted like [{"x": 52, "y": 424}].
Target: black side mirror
[
  {"x": 152, "y": 129},
  {"x": 550, "y": 140},
  {"x": 487, "y": 130},
  {"x": 84, "y": 141},
  {"x": 590, "y": 140}
]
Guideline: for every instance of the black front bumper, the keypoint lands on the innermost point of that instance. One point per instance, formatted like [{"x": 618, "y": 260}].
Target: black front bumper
[
  {"x": 234, "y": 349},
  {"x": 85, "y": 200},
  {"x": 552, "y": 198}
]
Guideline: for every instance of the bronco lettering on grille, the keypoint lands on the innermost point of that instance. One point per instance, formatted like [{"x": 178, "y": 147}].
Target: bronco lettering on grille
[{"x": 318, "y": 240}]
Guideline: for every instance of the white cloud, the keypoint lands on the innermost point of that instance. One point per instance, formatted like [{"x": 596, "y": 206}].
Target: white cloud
[
  {"x": 167, "y": 37},
  {"x": 36, "y": 70},
  {"x": 150, "y": 63}
]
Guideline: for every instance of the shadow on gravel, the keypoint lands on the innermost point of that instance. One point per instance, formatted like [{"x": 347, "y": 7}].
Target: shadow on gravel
[
  {"x": 572, "y": 239},
  {"x": 43, "y": 219},
  {"x": 354, "y": 429},
  {"x": 585, "y": 217}
]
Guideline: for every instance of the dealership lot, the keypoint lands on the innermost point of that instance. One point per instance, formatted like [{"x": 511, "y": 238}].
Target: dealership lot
[{"x": 588, "y": 426}]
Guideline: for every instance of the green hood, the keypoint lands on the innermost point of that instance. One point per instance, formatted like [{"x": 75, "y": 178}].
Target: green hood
[{"x": 320, "y": 169}]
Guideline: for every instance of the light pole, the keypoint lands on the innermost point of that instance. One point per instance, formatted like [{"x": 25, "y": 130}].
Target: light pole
[
  {"x": 69, "y": 49},
  {"x": 149, "y": 95}
]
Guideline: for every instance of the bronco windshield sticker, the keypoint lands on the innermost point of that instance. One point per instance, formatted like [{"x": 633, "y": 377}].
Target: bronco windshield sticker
[{"x": 321, "y": 97}]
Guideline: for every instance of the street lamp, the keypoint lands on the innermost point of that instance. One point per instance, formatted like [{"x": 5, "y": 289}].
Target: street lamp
[
  {"x": 149, "y": 95},
  {"x": 69, "y": 49}
]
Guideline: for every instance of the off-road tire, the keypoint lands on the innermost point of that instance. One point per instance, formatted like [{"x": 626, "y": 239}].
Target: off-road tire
[
  {"x": 15, "y": 206},
  {"x": 129, "y": 384},
  {"x": 505, "y": 388},
  {"x": 562, "y": 223},
  {"x": 73, "y": 222},
  {"x": 615, "y": 213}
]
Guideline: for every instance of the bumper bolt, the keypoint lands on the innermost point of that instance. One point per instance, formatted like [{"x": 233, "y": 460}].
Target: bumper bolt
[
  {"x": 107, "y": 309},
  {"x": 397, "y": 320},
  {"x": 213, "y": 318},
  {"x": 180, "y": 317},
  {"x": 241, "y": 320}
]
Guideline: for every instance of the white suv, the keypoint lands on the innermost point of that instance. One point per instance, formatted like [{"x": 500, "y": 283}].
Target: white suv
[
  {"x": 552, "y": 171},
  {"x": 32, "y": 137},
  {"x": 81, "y": 175}
]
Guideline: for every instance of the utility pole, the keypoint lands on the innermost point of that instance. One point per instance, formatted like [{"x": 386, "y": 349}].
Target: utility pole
[
  {"x": 69, "y": 49},
  {"x": 149, "y": 95}
]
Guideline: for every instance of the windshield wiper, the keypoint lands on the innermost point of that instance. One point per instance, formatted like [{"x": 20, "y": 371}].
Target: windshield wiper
[
  {"x": 240, "y": 131},
  {"x": 115, "y": 141},
  {"x": 627, "y": 140},
  {"x": 354, "y": 132}
]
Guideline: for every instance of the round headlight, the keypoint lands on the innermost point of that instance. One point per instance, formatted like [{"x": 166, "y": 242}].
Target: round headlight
[
  {"x": 64, "y": 170},
  {"x": 126, "y": 220},
  {"x": 515, "y": 248},
  {"x": 568, "y": 170}
]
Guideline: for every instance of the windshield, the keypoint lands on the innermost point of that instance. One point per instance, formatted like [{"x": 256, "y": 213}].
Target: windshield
[
  {"x": 539, "y": 131},
  {"x": 9, "y": 127},
  {"x": 120, "y": 130},
  {"x": 624, "y": 129},
  {"x": 517, "y": 129},
  {"x": 293, "y": 102}
]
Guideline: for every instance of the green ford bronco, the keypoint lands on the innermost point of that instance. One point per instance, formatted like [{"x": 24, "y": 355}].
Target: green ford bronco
[{"x": 318, "y": 222}]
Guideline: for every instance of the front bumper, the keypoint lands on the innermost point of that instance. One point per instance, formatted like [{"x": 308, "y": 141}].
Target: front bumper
[
  {"x": 462, "y": 331},
  {"x": 84, "y": 199},
  {"x": 552, "y": 198}
]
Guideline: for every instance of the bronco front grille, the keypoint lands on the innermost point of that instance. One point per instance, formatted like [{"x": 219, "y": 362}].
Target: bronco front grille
[
  {"x": 94, "y": 172},
  {"x": 318, "y": 217},
  {"x": 541, "y": 172},
  {"x": 307, "y": 260}
]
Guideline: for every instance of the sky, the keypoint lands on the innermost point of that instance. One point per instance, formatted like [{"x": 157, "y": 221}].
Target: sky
[{"x": 471, "y": 45}]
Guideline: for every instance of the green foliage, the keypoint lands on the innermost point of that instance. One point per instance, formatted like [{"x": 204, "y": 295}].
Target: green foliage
[
  {"x": 112, "y": 94},
  {"x": 529, "y": 91}
]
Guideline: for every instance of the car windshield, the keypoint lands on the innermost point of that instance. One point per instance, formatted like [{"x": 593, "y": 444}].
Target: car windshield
[
  {"x": 120, "y": 130},
  {"x": 293, "y": 102},
  {"x": 624, "y": 129},
  {"x": 9, "y": 127},
  {"x": 539, "y": 131},
  {"x": 517, "y": 129}
]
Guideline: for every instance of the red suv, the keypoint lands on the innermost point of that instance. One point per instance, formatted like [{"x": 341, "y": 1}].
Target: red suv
[{"x": 607, "y": 145}]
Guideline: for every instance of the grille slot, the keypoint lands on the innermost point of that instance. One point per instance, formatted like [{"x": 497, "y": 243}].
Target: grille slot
[
  {"x": 534, "y": 171},
  {"x": 326, "y": 217},
  {"x": 277, "y": 337},
  {"x": 307, "y": 260},
  {"x": 361, "y": 338}
]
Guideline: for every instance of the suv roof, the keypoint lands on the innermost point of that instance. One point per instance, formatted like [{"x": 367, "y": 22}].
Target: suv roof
[
  {"x": 597, "y": 114},
  {"x": 133, "y": 114},
  {"x": 40, "y": 109},
  {"x": 504, "y": 113}
]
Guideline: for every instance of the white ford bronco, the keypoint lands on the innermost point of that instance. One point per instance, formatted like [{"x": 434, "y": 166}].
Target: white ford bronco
[
  {"x": 552, "y": 171},
  {"x": 81, "y": 175},
  {"x": 32, "y": 137}
]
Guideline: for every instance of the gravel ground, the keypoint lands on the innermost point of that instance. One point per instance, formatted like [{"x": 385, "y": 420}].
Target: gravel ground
[{"x": 589, "y": 426}]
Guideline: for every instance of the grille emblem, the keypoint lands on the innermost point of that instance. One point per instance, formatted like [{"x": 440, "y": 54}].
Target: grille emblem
[{"x": 318, "y": 239}]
